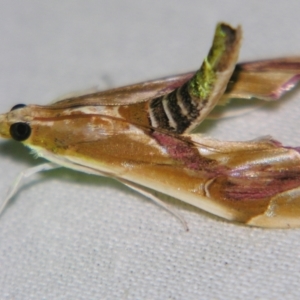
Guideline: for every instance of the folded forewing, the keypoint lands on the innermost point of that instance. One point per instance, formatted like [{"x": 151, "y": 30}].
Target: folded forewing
[{"x": 266, "y": 79}]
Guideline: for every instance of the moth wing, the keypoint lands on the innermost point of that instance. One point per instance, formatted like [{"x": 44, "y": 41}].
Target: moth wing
[
  {"x": 131, "y": 94},
  {"x": 267, "y": 79},
  {"x": 255, "y": 182}
]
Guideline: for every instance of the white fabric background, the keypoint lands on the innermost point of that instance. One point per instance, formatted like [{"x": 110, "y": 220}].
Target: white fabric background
[{"x": 67, "y": 235}]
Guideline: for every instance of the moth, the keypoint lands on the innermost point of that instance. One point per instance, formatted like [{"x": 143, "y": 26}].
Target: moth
[{"x": 141, "y": 136}]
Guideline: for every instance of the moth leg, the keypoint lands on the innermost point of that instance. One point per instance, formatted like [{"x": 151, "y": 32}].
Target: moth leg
[
  {"x": 156, "y": 200},
  {"x": 24, "y": 174}
]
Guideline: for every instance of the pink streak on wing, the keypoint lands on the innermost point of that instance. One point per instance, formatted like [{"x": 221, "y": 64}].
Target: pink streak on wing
[
  {"x": 287, "y": 86},
  {"x": 238, "y": 186},
  {"x": 182, "y": 151},
  {"x": 249, "y": 189}
]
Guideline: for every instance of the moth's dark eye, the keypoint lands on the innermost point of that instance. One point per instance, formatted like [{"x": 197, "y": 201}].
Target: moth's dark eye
[
  {"x": 17, "y": 106},
  {"x": 20, "y": 131}
]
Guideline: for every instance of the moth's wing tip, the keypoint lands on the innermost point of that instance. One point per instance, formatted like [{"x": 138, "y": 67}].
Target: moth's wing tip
[{"x": 283, "y": 212}]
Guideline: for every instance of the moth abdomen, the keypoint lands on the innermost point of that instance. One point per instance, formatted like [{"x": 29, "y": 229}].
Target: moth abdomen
[{"x": 175, "y": 111}]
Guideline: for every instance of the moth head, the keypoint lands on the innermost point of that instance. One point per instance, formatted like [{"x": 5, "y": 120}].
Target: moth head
[
  {"x": 56, "y": 129},
  {"x": 16, "y": 123}
]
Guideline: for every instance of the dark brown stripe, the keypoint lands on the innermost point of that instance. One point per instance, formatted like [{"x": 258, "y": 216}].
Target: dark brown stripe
[
  {"x": 181, "y": 121},
  {"x": 159, "y": 114},
  {"x": 186, "y": 99}
]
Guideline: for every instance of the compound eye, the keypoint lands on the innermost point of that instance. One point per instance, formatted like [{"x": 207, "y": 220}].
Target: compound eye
[
  {"x": 18, "y": 106},
  {"x": 20, "y": 131}
]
